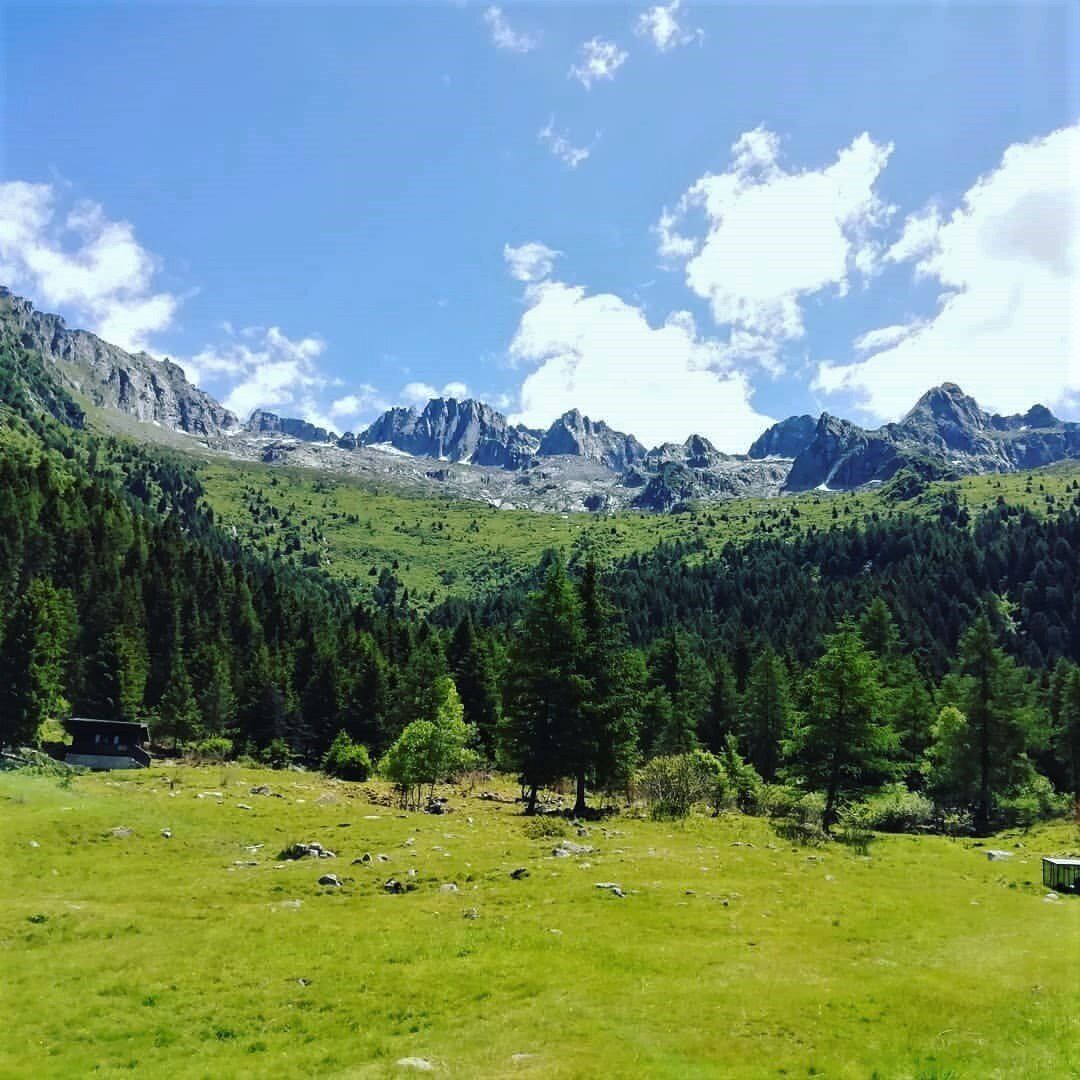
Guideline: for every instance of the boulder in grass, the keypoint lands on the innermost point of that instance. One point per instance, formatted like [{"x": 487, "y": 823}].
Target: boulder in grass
[
  {"x": 615, "y": 890},
  {"x": 995, "y": 855},
  {"x": 332, "y": 880}
]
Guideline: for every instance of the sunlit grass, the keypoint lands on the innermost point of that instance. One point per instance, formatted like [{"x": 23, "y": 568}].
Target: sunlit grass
[{"x": 734, "y": 953}]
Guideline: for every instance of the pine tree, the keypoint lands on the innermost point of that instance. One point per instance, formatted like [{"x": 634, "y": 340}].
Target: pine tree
[
  {"x": 540, "y": 734},
  {"x": 1067, "y": 730},
  {"x": 471, "y": 668},
  {"x": 33, "y": 662},
  {"x": 766, "y": 713},
  {"x": 843, "y": 745},
  {"x": 986, "y": 754},
  {"x": 724, "y": 713}
]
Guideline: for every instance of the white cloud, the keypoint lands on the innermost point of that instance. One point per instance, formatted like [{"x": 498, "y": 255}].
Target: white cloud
[
  {"x": 661, "y": 24},
  {"x": 599, "y": 354},
  {"x": 273, "y": 372},
  {"x": 81, "y": 262},
  {"x": 420, "y": 393},
  {"x": 503, "y": 36},
  {"x": 1007, "y": 328},
  {"x": 530, "y": 262},
  {"x": 774, "y": 237},
  {"x": 352, "y": 408},
  {"x": 884, "y": 337},
  {"x": 599, "y": 61},
  {"x": 558, "y": 142}
]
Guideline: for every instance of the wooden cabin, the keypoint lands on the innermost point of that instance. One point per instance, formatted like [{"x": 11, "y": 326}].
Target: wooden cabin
[
  {"x": 1061, "y": 874},
  {"x": 107, "y": 744}
]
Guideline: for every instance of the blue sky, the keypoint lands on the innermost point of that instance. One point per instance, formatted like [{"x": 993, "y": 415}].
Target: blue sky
[{"x": 324, "y": 209}]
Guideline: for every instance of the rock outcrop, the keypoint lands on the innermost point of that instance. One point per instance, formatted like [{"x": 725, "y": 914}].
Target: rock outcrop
[{"x": 267, "y": 423}]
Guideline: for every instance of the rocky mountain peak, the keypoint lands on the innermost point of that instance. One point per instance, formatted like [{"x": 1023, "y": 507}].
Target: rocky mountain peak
[
  {"x": 262, "y": 422},
  {"x": 787, "y": 439},
  {"x": 577, "y": 435}
]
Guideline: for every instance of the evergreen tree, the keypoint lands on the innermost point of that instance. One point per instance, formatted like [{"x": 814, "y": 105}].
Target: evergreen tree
[
  {"x": 33, "y": 662},
  {"x": 842, "y": 745},
  {"x": 679, "y": 670},
  {"x": 985, "y": 756},
  {"x": 725, "y": 708},
  {"x": 1067, "y": 730},
  {"x": 540, "y": 736},
  {"x": 472, "y": 671},
  {"x": 766, "y": 713}
]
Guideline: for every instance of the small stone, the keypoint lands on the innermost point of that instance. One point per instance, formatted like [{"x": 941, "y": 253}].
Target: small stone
[
  {"x": 519, "y": 873},
  {"x": 419, "y": 1063},
  {"x": 517, "y": 1058},
  {"x": 394, "y": 887},
  {"x": 34, "y": 843},
  {"x": 995, "y": 855},
  {"x": 409, "y": 842},
  {"x": 383, "y": 858},
  {"x": 167, "y": 833},
  {"x": 615, "y": 890},
  {"x": 122, "y": 831},
  {"x": 261, "y": 789},
  {"x": 330, "y": 879},
  {"x": 448, "y": 887},
  {"x": 242, "y": 806},
  {"x": 1052, "y": 897},
  {"x": 470, "y": 913}
]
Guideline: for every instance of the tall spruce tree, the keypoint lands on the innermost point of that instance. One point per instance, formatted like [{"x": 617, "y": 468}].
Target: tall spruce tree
[
  {"x": 767, "y": 713},
  {"x": 842, "y": 746},
  {"x": 540, "y": 736}
]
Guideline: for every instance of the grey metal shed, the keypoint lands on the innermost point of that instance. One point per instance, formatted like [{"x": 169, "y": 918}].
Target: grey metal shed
[{"x": 1061, "y": 874}]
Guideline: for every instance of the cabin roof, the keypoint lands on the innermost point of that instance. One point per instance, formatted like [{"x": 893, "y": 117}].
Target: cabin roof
[
  {"x": 1061, "y": 862},
  {"x": 118, "y": 725}
]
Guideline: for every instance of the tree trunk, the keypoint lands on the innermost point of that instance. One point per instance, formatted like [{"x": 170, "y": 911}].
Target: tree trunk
[
  {"x": 531, "y": 807},
  {"x": 580, "y": 808}
]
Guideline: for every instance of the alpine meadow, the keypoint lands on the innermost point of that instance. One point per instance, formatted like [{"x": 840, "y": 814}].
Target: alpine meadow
[{"x": 539, "y": 540}]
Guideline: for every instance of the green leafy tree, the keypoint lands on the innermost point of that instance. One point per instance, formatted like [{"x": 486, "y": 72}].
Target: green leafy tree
[
  {"x": 346, "y": 759},
  {"x": 428, "y": 751},
  {"x": 843, "y": 744}
]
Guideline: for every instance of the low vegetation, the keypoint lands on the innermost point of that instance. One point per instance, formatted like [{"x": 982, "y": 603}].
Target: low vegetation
[{"x": 149, "y": 926}]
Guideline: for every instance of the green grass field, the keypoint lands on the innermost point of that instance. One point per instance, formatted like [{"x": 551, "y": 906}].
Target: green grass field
[
  {"x": 733, "y": 954},
  {"x": 440, "y": 547}
]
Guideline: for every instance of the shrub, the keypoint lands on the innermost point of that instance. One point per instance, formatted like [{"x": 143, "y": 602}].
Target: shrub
[
  {"x": 213, "y": 748},
  {"x": 743, "y": 783},
  {"x": 1033, "y": 802},
  {"x": 856, "y": 828},
  {"x": 804, "y": 821},
  {"x": 346, "y": 759},
  {"x": 674, "y": 783},
  {"x": 278, "y": 755},
  {"x": 545, "y": 828},
  {"x": 897, "y": 810}
]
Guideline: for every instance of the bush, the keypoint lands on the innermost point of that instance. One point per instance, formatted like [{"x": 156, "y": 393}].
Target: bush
[
  {"x": 278, "y": 755},
  {"x": 545, "y": 828},
  {"x": 674, "y": 783},
  {"x": 214, "y": 748},
  {"x": 897, "y": 810},
  {"x": 346, "y": 759},
  {"x": 856, "y": 829},
  {"x": 804, "y": 820},
  {"x": 1035, "y": 801}
]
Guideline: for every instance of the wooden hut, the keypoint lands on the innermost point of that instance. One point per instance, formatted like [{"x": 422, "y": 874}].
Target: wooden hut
[
  {"x": 1061, "y": 874},
  {"x": 107, "y": 744}
]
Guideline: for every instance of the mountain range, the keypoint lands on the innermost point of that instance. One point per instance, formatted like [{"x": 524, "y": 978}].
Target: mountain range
[{"x": 469, "y": 449}]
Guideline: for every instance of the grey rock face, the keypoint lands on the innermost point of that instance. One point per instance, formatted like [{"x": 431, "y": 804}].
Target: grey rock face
[
  {"x": 944, "y": 434},
  {"x": 453, "y": 430},
  {"x": 153, "y": 391},
  {"x": 267, "y": 423},
  {"x": 789, "y": 438},
  {"x": 579, "y": 436}
]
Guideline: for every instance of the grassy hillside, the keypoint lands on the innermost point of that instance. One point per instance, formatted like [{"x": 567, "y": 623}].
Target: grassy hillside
[
  {"x": 733, "y": 954},
  {"x": 437, "y": 548}
]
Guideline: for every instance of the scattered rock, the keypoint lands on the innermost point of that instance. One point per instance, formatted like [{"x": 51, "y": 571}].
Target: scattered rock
[
  {"x": 615, "y": 890},
  {"x": 1051, "y": 897},
  {"x": 409, "y": 842},
  {"x": 330, "y": 879},
  {"x": 327, "y": 799},
  {"x": 448, "y": 887},
  {"x": 519, "y": 873},
  {"x": 394, "y": 886},
  {"x": 34, "y": 843},
  {"x": 167, "y": 833},
  {"x": 419, "y": 1063},
  {"x": 364, "y": 859},
  {"x": 383, "y": 858},
  {"x": 290, "y": 905},
  {"x": 242, "y": 806},
  {"x": 122, "y": 832},
  {"x": 436, "y": 806},
  {"x": 470, "y": 913},
  {"x": 517, "y": 1058},
  {"x": 210, "y": 795},
  {"x": 303, "y": 982},
  {"x": 996, "y": 855},
  {"x": 313, "y": 850},
  {"x": 567, "y": 848},
  {"x": 261, "y": 789}
]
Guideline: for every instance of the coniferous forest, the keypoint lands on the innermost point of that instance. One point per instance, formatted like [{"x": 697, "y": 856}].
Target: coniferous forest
[{"x": 926, "y": 661}]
